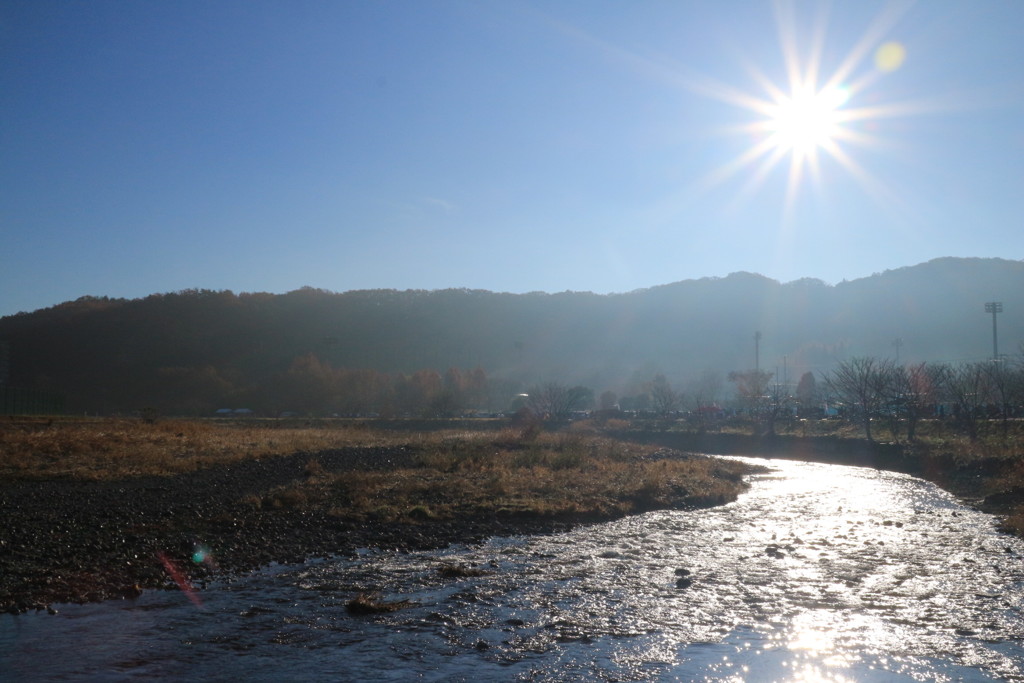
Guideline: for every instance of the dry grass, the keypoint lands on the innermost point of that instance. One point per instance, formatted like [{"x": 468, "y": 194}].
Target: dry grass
[
  {"x": 453, "y": 474},
  {"x": 1014, "y": 522},
  {"x": 118, "y": 448},
  {"x": 561, "y": 474},
  {"x": 938, "y": 435}
]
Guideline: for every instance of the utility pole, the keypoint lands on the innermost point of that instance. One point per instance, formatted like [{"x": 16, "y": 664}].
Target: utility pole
[
  {"x": 5, "y": 362},
  {"x": 994, "y": 307},
  {"x": 757, "y": 352}
]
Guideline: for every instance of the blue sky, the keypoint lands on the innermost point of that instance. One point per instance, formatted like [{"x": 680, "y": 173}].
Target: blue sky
[{"x": 512, "y": 146}]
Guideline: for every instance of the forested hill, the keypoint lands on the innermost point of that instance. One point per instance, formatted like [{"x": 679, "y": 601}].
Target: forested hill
[{"x": 195, "y": 351}]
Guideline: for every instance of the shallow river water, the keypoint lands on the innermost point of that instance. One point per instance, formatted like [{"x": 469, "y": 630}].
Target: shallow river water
[{"x": 819, "y": 572}]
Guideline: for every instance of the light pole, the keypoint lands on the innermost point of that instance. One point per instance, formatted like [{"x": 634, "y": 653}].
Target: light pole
[
  {"x": 995, "y": 308},
  {"x": 757, "y": 352}
]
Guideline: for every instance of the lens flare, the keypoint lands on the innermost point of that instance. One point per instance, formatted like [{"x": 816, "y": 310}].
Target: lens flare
[
  {"x": 890, "y": 56},
  {"x": 202, "y": 555},
  {"x": 815, "y": 115},
  {"x": 179, "y": 579}
]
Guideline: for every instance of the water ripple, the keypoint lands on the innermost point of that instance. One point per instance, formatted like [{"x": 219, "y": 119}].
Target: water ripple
[{"x": 818, "y": 573}]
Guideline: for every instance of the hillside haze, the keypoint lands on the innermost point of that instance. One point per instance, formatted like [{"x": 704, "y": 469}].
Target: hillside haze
[{"x": 192, "y": 352}]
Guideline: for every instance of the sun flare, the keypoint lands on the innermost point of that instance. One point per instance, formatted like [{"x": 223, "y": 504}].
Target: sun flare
[
  {"x": 813, "y": 116},
  {"x": 807, "y": 120}
]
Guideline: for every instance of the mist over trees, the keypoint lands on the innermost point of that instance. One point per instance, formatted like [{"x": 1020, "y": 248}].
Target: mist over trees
[{"x": 663, "y": 349}]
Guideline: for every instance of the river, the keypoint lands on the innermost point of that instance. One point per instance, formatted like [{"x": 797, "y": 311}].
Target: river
[{"x": 819, "y": 572}]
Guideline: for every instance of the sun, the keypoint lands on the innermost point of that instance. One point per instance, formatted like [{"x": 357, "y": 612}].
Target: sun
[
  {"x": 807, "y": 120},
  {"x": 811, "y": 117}
]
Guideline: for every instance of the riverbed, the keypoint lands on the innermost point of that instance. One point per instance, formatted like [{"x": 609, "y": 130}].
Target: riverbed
[{"x": 819, "y": 572}]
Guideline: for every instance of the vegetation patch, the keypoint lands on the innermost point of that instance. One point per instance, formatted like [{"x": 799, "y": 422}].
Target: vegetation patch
[
  {"x": 114, "y": 448},
  {"x": 364, "y": 604},
  {"x": 547, "y": 475}
]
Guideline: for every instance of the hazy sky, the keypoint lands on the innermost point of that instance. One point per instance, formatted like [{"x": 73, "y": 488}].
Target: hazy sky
[{"x": 511, "y": 146}]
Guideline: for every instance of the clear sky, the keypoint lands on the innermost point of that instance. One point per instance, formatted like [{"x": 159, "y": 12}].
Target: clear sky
[{"x": 512, "y": 146}]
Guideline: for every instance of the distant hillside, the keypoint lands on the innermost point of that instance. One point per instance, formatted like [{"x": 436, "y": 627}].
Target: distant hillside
[{"x": 195, "y": 351}]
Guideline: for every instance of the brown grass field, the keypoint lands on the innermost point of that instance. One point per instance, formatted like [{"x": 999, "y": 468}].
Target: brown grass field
[
  {"x": 446, "y": 474},
  {"x": 450, "y": 472},
  {"x": 114, "y": 448},
  {"x": 89, "y": 503}
]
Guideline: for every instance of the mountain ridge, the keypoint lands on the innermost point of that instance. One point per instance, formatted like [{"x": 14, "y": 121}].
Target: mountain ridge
[{"x": 198, "y": 348}]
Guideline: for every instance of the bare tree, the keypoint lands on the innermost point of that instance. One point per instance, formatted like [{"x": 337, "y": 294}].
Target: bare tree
[
  {"x": 807, "y": 392},
  {"x": 557, "y": 401},
  {"x": 969, "y": 387},
  {"x": 1004, "y": 382},
  {"x": 663, "y": 398},
  {"x": 915, "y": 390},
  {"x": 776, "y": 400},
  {"x": 700, "y": 398},
  {"x": 893, "y": 407},
  {"x": 609, "y": 400},
  {"x": 752, "y": 389},
  {"x": 861, "y": 384}
]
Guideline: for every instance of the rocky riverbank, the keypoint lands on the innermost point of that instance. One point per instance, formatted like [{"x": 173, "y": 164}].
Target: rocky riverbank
[
  {"x": 72, "y": 539},
  {"x": 69, "y": 540}
]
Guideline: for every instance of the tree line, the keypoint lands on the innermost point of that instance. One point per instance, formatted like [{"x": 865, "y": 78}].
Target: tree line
[
  {"x": 870, "y": 391},
  {"x": 900, "y": 396},
  {"x": 313, "y": 387},
  {"x": 865, "y": 390}
]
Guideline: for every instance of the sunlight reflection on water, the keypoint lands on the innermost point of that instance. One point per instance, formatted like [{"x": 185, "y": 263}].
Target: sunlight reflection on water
[{"x": 819, "y": 573}]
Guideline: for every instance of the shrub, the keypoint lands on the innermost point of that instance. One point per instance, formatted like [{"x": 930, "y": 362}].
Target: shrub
[{"x": 420, "y": 512}]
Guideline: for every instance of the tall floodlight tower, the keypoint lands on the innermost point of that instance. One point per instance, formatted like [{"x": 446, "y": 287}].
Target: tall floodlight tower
[{"x": 995, "y": 308}]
